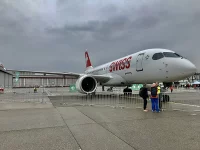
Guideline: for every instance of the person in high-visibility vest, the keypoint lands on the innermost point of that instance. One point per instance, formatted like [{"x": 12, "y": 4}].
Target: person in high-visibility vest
[
  {"x": 159, "y": 96},
  {"x": 35, "y": 90},
  {"x": 158, "y": 89}
]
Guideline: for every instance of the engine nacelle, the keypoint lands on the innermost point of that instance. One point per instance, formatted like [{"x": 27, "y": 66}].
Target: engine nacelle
[{"x": 86, "y": 84}]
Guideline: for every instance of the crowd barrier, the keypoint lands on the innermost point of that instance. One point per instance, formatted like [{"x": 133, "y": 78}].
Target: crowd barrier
[
  {"x": 23, "y": 95},
  {"x": 170, "y": 101},
  {"x": 128, "y": 100}
]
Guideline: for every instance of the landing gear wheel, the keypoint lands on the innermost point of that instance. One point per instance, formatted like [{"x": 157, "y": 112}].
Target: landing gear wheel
[
  {"x": 164, "y": 98},
  {"x": 168, "y": 98},
  {"x": 110, "y": 89},
  {"x": 127, "y": 91}
]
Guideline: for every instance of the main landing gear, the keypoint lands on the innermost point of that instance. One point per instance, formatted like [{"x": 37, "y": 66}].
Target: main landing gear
[
  {"x": 127, "y": 91},
  {"x": 110, "y": 89}
]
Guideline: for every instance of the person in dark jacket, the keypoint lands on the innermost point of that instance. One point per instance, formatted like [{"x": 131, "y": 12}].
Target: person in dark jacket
[{"x": 145, "y": 96}]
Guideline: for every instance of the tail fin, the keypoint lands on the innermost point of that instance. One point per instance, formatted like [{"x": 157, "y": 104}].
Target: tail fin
[{"x": 87, "y": 61}]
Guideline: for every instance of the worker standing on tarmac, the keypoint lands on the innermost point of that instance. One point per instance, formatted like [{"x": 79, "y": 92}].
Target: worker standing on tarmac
[
  {"x": 154, "y": 98},
  {"x": 144, "y": 94},
  {"x": 35, "y": 89},
  {"x": 171, "y": 88},
  {"x": 159, "y": 96}
]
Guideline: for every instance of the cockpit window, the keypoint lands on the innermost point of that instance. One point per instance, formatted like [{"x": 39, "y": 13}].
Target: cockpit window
[
  {"x": 171, "y": 54},
  {"x": 180, "y": 56},
  {"x": 157, "y": 56}
]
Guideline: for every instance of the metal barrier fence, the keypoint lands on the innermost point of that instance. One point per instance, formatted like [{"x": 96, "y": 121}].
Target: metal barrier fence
[
  {"x": 113, "y": 100},
  {"x": 170, "y": 101},
  {"x": 24, "y": 95}
]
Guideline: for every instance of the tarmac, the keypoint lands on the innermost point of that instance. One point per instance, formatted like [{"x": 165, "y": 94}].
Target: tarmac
[{"x": 59, "y": 120}]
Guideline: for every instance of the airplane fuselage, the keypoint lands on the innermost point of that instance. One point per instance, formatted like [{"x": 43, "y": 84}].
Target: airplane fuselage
[{"x": 148, "y": 66}]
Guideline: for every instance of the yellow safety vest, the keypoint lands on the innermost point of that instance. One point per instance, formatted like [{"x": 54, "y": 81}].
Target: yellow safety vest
[{"x": 158, "y": 90}]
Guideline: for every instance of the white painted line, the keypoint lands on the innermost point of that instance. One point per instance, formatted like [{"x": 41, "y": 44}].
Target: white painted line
[
  {"x": 187, "y": 105},
  {"x": 183, "y": 104},
  {"x": 138, "y": 107},
  {"x": 176, "y": 109},
  {"x": 193, "y": 114}
]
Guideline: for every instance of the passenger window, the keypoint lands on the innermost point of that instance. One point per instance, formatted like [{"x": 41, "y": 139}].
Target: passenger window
[
  {"x": 157, "y": 56},
  {"x": 170, "y": 54}
]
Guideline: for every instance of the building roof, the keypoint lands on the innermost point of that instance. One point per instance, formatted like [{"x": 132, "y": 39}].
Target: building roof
[
  {"x": 47, "y": 76},
  {"x": 3, "y": 70}
]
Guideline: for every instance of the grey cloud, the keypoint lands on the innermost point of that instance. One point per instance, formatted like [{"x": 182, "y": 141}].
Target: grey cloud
[
  {"x": 53, "y": 35},
  {"x": 90, "y": 26}
]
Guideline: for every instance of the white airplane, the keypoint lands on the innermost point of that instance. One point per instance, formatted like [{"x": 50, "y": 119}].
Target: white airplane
[{"x": 143, "y": 67}]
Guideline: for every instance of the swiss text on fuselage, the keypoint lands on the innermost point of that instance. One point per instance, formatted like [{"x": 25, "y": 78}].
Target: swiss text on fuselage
[{"x": 121, "y": 64}]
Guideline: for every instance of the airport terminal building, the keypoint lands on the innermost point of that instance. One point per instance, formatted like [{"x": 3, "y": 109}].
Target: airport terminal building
[
  {"x": 29, "y": 79},
  {"x": 6, "y": 79}
]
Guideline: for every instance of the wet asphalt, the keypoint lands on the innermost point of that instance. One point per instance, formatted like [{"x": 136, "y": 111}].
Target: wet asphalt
[{"x": 58, "y": 121}]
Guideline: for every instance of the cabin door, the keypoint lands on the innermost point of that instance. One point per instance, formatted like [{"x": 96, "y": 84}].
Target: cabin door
[{"x": 139, "y": 60}]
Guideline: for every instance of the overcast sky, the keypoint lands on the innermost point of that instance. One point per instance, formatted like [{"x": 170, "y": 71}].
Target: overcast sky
[{"x": 52, "y": 35}]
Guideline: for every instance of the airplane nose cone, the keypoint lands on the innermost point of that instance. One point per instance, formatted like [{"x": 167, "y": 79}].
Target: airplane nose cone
[
  {"x": 190, "y": 68},
  {"x": 180, "y": 69},
  {"x": 194, "y": 68}
]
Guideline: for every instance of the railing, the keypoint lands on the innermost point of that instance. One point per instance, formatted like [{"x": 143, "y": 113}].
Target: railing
[
  {"x": 24, "y": 95},
  {"x": 170, "y": 101}
]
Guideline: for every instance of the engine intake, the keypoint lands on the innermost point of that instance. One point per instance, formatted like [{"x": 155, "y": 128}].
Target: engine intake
[{"x": 86, "y": 84}]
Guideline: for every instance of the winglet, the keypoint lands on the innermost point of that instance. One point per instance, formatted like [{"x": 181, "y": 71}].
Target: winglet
[{"x": 87, "y": 61}]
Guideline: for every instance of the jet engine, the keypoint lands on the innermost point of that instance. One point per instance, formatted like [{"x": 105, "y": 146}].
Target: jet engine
[{"x": 86, "y": 84}]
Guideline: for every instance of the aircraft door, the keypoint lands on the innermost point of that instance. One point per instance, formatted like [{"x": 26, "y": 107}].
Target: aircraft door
[
  {"x": 139, "y": 60},
  {"x": 159, "y": 62}
]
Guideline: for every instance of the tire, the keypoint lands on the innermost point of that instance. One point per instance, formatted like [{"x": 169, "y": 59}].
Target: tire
[
  {"x": 164, "y": 98},
  {"x": 129, "y": 91},
  {"x": 168, "y": 98},
  {"x": 125, "y": 91}
]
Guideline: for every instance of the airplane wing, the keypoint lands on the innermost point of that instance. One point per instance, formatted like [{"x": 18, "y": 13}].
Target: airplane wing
[
  {"x": 100, "y": 78},
  {"x": 45, "y": 72}
]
